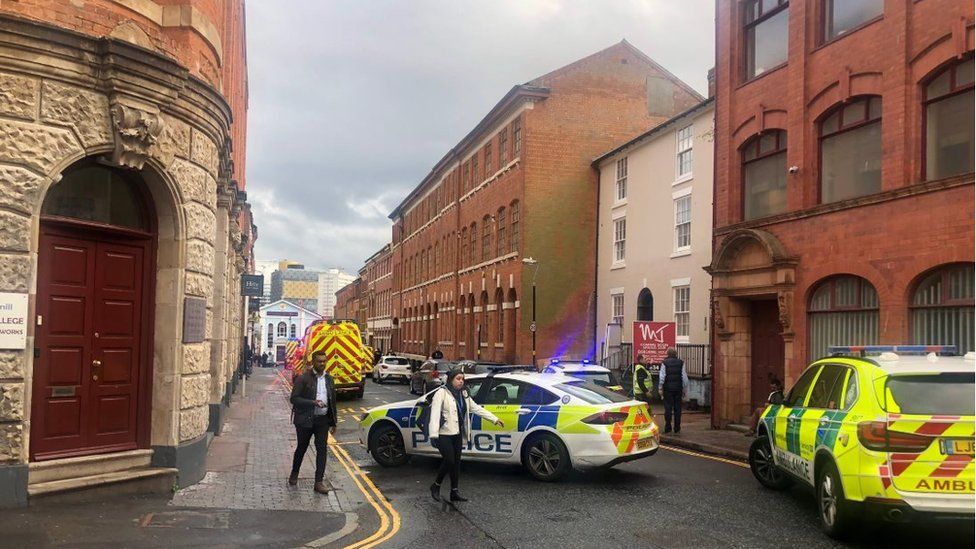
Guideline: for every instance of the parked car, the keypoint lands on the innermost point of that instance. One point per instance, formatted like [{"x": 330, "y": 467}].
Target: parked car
[
  {"x": 392, "y": 367},
  {"x": 431, "y": 375}
]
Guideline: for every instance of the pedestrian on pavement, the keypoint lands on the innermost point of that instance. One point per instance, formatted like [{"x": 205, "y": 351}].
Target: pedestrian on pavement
[
  {"x": 437, "y": 354},
  {"x": 673, "y": 388},
  {"x": 775, "y": 397},
  {"x": 313, "y": 399},
  {"x": 643, "y": 384},
  {"x": 450, "y": 428}
]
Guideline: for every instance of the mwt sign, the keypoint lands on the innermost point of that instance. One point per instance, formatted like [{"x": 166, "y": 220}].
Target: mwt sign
[{"x": 652, "y": 340}]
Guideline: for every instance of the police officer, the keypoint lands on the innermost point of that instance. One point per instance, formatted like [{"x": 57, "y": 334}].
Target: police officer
[
  {"x": 643, "y": 385},
  {"x": 673, "y": 387}
]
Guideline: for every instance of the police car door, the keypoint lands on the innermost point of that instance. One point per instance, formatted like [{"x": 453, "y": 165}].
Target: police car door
[
  {"x": 503, "y": 398},
  {"x": 786, "y": 434}
]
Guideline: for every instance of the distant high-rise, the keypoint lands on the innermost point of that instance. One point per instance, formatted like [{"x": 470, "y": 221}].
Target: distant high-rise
[{"x": 330, "y": 281}]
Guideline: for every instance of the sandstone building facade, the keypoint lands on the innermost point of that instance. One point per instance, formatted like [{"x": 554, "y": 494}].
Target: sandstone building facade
[{"x": 124, "y": 220}]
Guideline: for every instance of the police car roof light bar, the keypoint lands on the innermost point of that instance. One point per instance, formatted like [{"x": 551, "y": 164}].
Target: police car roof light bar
[{"x": 864, "y": 350}]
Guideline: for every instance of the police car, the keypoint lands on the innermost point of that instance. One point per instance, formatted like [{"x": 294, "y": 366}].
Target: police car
[
  {"x": 584, "y": 369},
  {"x": 552, "y": 423},
  {"x": 891, "y": 435}
]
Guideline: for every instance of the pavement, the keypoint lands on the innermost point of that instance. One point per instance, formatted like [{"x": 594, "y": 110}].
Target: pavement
[
  {"x": 698, "y": 435},
  {"x": 243, "y": 501}
]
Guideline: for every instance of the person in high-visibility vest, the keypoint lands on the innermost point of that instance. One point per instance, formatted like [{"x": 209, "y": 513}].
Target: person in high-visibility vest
[{"x": 643, "y": 385}]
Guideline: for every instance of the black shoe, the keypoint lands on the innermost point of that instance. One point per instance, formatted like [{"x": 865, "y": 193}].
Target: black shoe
[
  {"x": 455, "y": 496},
  {"x": 677, "y": 431},
  {"x": 435, "y": 491},
  {"x": 667, "y": 430},
  {"x": 293, "y": 479}
]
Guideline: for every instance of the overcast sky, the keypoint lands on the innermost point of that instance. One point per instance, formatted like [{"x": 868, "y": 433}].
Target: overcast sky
[{"x": 352, "y": 102}]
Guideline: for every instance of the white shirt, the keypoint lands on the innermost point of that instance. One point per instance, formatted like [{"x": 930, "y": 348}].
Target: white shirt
[{"x": 321, "y": 393}]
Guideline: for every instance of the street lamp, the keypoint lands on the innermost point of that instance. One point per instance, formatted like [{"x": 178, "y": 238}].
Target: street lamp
[{"x": 532, "y": 327}]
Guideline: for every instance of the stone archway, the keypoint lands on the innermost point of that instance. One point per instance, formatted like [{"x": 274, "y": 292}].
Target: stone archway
[{"x": 752, "y": 300}]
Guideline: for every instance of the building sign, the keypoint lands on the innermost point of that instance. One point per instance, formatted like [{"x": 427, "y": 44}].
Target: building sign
[
  {"x": 653, "y": 339},
  {"x": 13, "y": 321},
  {"x": 194, "y": 319},
  {"x": 252, "y": 285},
  {"x": 282, "y": 313}
]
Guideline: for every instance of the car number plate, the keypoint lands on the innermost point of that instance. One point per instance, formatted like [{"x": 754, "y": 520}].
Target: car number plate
[
  {"x": 644, "y": 444},
  {"x": 954, "y": 447}
]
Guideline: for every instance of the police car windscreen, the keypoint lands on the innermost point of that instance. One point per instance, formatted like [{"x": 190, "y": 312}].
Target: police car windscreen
[
  {"x": 397, "y": 360},
  {"x": 590, "y": 392},
  {"x": 934, "y": 394},
  {"x": 600, "y": 378}
]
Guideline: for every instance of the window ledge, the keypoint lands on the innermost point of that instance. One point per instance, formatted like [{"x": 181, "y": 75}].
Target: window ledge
[
  {"x": 681, "y": 253},
  {"x": 777, "y": 68},
  {"x": 619, "y": 203},
  {"x": 618, "y": 265},
  {"x": 683, "y": 179}
]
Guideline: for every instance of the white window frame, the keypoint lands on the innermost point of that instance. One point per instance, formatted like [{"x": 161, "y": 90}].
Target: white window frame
[
  {"x": 619, "y": 240},
  {"x": 677, "y": 198},
  {"x": 684, "y": 144},
  {"x": 617, "y": 298},
  {"x": 682, "y": 317},
  {"x": 620, "y": 189}
]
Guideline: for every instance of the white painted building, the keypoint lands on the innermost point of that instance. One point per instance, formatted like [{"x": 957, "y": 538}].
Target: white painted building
[
  {"x": 655, "y": 222},
  {"x": 279, "y": 322},
  {"x": 330, "y": 281}
]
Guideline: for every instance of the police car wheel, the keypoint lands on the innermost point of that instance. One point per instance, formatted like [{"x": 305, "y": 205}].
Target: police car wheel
[
  {"x": 834, "y": 510},
  {"x": 546, "y": 457},
  {"x": 386, "y": 446},
  {"x": 764, "y": 468}
]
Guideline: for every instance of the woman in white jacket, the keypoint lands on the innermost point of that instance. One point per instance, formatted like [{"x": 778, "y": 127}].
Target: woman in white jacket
[{"x": 450, "y": 428}]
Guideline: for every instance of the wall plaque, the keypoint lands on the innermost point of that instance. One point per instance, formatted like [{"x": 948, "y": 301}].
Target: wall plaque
[
  {"x": 13, "y": 321},
  {"x": 194, "y": 319}
]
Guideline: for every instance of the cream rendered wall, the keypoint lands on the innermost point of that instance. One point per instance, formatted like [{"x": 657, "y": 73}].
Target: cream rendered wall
[{"x": 651, "y": 260}]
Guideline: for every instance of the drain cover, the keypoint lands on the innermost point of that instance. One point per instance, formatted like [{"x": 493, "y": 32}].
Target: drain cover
[{"x": 188, "y": 519}]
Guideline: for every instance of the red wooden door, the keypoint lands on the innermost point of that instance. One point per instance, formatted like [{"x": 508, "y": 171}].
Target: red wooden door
[
  {"x": 88, "y": 360},
  {"x": 768, "y": 350}
]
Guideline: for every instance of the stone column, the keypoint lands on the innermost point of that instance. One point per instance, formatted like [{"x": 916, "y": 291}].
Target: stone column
[{"x": 219, "y": 386}]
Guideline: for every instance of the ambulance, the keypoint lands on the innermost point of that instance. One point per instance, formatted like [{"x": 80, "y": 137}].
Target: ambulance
[
  {"x": 889, "y": 436},
  {"x": 346, "y": 357},
  {"x": 553, "y": 423}
]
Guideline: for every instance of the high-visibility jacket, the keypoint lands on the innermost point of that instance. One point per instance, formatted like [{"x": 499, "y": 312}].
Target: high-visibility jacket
[{"x": 638, "y": 368}]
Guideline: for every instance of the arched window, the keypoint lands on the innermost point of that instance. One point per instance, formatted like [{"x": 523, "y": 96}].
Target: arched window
[
  {"x": 942, "y": 308},
  {"x": 501, "y": 242},
  {"x": 843, "y": 310},
  {"x": 850, "y": 150},
  {"x": 645, "y": 305},
  {"x": 293, "y": 332},
  {"x": 464, "y": 245},
  {"x": 486, "y": 238},
  {"x": 764, "y": 175},
  {"x": 949, "y": 117},
  {"x": 500, "y": 311},
  {"x": 282, "y": 329},
  {"x": 514, "y": 207},
  {"x": 95, "y": 193}
]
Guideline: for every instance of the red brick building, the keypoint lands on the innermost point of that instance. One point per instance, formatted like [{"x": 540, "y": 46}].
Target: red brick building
[
  {"x": 519, "y": 186},
  {"x": 348, "y": 303},
  {"x": 377, "y": 277},
  {"x": 843, "y": 184}
]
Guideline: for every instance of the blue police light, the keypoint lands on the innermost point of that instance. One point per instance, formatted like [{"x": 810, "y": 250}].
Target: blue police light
[
  {"x": 554, "y": 361},
  {"x": 585, "y": 361},
  {"x": 862, "y": 350}
]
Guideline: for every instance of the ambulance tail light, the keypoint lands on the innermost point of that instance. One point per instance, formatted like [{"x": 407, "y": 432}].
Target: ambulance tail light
[
  {"x": 605, "y": 418},
  {"x": 875, "y": 435}
]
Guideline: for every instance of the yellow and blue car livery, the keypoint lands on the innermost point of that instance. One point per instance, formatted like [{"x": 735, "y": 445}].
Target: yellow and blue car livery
[
  {"x": 892, "y": 435},
  {"x": 552, "y": 423}
]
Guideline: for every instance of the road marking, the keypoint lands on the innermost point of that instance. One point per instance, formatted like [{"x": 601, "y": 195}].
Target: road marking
[
  {"x": 706, "y": 456},
  {"x": 389, "y": 518}
]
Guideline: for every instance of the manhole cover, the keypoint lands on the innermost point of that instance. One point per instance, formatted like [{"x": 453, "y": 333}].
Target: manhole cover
[{"x": 188, "y": 519}]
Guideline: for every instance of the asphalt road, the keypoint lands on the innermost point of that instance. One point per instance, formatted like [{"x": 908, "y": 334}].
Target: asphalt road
[{"x": 671, "y": 499}]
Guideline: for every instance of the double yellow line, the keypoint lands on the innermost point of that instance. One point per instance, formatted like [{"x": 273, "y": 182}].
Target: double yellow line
[{"x": 389, "y": 518}]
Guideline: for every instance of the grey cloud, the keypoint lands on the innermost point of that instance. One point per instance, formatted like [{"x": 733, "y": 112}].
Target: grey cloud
[{"x": 352, "y": 103}]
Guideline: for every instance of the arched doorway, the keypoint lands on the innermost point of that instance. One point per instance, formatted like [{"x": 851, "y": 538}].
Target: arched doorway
[
  {"x": 645, "y": 305},
  {"x": 96, "y": 274}
]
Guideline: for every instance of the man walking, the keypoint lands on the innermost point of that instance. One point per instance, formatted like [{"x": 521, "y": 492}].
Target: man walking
[
  {"x": 313, "y": 399},
  {"x": 673, "y": 387}
]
